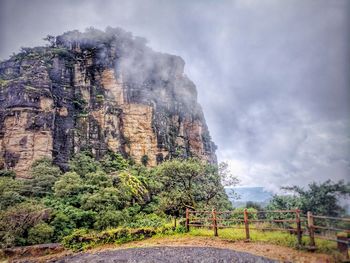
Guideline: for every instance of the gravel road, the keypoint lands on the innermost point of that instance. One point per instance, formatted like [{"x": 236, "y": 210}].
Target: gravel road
[{"x": 166, "y": 255}]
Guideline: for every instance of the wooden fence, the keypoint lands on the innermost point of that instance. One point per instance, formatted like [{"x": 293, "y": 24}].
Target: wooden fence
[{"x": 293, "y": 221}]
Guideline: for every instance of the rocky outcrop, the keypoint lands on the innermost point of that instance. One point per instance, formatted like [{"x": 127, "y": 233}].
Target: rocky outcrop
[{"x": 98, "y": 91}]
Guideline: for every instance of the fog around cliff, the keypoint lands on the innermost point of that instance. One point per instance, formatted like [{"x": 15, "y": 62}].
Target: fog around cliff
[{"x": 273, "y": 77}]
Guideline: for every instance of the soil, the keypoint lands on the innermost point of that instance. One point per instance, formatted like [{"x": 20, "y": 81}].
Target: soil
[
  {"x": 208, "y": 247},
  {"x": 166, "y": 255}
]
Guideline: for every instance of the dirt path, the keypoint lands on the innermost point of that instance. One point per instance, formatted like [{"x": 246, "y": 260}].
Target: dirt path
[
  {"x": 274, "y": 252},
  {"x": 166, "y": 255}
]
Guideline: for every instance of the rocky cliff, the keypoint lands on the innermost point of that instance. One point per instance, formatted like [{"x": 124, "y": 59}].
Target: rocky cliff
[{"x": 98, "y": 91}]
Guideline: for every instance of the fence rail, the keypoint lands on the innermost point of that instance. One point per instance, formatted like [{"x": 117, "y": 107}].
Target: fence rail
[{"x": 293, "y": 221}]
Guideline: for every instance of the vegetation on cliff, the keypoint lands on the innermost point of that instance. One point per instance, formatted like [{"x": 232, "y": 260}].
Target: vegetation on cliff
[{"x": 97, "y": 195}]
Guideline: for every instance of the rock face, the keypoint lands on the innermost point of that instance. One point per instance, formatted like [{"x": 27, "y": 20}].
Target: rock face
[{"x": 98, "y": 91}]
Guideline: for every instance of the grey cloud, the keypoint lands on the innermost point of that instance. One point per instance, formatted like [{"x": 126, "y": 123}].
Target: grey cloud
[{"x": 272, "y": 76}]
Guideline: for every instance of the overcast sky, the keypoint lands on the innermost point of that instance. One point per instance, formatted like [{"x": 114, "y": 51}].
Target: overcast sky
[{"x": 273, "y": 76}]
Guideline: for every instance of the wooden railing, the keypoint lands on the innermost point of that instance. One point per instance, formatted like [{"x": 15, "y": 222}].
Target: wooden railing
[{"x": 293, "y": 221}]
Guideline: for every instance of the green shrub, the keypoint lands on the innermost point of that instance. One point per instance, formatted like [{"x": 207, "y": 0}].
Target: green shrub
[
  {"x": 17, "y": 220},
  {"x": 83, "y": 163},
  {"x": 82, "y": 239},
  {"x": 44, "y": 174},
  {"x": 8, "y": 173},
  {"x": 110, "y": 219},
  {"x": 147, "y": 220},
  {"x": 10, "y": 192},
  {"x": 63, "y": 225},
  {"x": 40, "y": 233},
  {"x": 76, "y": 239},
  {"x": 113, "y": 162}
]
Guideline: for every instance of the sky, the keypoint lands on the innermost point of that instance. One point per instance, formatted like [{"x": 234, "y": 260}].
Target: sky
[{"x": 273, "y": 76}]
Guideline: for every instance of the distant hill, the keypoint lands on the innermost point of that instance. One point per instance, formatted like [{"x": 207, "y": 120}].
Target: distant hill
[{"x": 255, "y": 194}]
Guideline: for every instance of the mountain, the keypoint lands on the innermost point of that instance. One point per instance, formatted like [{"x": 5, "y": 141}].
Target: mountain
[
  {"x": 98, "y": 91},
  {"x": 255, "y": 194}
]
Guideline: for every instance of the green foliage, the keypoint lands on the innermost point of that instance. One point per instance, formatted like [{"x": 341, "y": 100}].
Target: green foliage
[
  {"x": 44, "y": 175},
  {"x": 113, "y": 162},
  {"x": 107, "y": 198},
  {"x": 100, "y": 98},
  {"x": 82, "y": 239},
  {"x": 11, "y": 192},
  {"x": 132, "y": 185},
  {"x": 284, "y": 202},
  {"x": 320, "y": 199},
  {"x": 144, "y": 160},
  {"x": 110, "y": 219},
  {"x": 99, "y": 195},
  {"x": 16, "y": 221},
  {"x": 40, "y": 234},
  {"x": 68, "y": 185},
  {"x": 83, "y": 163},
  {"x": 97, "y": 180},
  {"x": 254, "y": 205},
  {"x": 147, "y": 220},
  {"x": 7, "y": 173},
  {"x": 189, "y": 183},
  {"x": 62, "y": 224}
]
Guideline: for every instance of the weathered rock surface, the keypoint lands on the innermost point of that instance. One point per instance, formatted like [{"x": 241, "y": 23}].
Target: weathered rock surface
[{"x": 98, "y": 91}]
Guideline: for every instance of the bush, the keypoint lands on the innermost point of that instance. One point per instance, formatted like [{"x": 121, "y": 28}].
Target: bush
[
  {"x": 110, "y": 219},
  {"x": 8, "y": 173},
  {"x": 44, "y": 174},
  {"x": 62, "y": 224},
  {"x": 113, "y": 162},
  {"x": 82, "y": 239},
  {"x": 16, "y": 221},
  {"x": 146, "y": 220},
  {"x": 83, "y": 164},
  {"x": 40, "y": 233},
  {"x": 69, "y": 184},
  {"x": 10, "y": 192}
]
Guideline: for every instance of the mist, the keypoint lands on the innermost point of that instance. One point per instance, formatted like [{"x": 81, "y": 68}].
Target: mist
[{"x": 272, "y": 76}]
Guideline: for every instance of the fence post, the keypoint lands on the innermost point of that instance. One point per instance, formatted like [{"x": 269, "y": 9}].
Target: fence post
[
  {"x": 310, "y": 225},
  {"x": 342, "y": 245},
  {"x": 187, "y": 220},
  {"x": 215, "y": 225},
  {"x": 299, "y": 233},
  {"x": 246, "y": 224}
]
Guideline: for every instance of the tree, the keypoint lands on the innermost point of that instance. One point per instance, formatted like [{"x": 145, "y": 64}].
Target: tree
[
  {"x": 83, "y": 163},
  {"x": 70, "y": 184},
  {"x": 16, "y": 221},
  {"x": 40, "y": 234},
  {"x": 113, "y": 162},
  {"x": 132, "y": 186},
  {"x": 109, "y": 198},
  {"x": 321, "y": 198},
  {"x": 284, "y": 202},
  {"x": 228, "y": 180},
  {"x": 51, "y": 39},
  {"x": 11, "y": 192},
  {"x": 110, "y": 219},
  {"x": 251, "y": 204},
  {"x": 189, "y": 183},
  {"x": 44, "y": 174}
]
